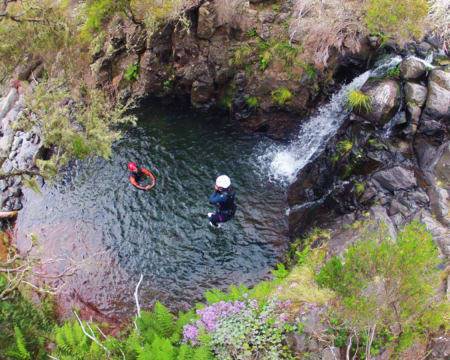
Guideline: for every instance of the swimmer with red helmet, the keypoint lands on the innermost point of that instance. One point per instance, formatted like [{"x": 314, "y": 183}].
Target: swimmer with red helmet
[
  {"x": 135, "y": 172},
  {"x": 137, "y": 175}
]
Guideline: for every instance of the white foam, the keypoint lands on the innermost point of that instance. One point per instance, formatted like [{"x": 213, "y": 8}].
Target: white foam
[{"x": 281, "y": 163}]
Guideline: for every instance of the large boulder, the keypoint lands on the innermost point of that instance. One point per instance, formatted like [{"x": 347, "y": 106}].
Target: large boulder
[
  {"x": 396, "y": 178},
  {"x": 412, "y": 68},
  {"x": 438, "y": 100},
  {"x": 415, "y": 94},
  {"x": 385, "y": 96}
]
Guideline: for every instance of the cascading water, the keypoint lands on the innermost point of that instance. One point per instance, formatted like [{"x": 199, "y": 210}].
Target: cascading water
[{"x": 285, "y": 161}]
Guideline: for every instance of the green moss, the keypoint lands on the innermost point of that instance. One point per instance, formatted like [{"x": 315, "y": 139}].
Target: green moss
[
  {"x": 131, "y": 73},
  {"x": 252, "y": 101},
  {"x": 359, "y": 188},
  {"x": 343, "y": 147},
  {"x": 226, "y": 100},
  {"x": 282, "y": 96},
  {"x": 393, "y": 72}
]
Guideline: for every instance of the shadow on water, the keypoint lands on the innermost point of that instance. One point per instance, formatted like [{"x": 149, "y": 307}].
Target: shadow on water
[{"x": 93, "y": 216}]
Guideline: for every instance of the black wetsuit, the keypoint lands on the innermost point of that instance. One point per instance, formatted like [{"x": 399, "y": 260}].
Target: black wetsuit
[
  {"x": 225, "y": 201},
  {"x": 138, "y": 175}
]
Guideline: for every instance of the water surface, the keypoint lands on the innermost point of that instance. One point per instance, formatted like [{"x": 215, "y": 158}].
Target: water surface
[{"x": 94, "y": 217}]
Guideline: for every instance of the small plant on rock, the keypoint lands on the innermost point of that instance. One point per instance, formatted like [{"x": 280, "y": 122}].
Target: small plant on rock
[
  {"x": 241, "y": 55},
  {"x": 252, "y": 101},
  {"x": 359, "y": 188},
  {"x": 131, "y": 73},
  {"x": 343, "y": 147},
  {"x": 393, "y": 72},
  {"x": 357, "y": 100},
  {"x": 281, "y": 96}
]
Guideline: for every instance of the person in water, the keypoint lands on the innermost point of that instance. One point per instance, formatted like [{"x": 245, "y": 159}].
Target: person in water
[
  {"x": 135, "y": 172},
  {"x": 224, "y": 199}
]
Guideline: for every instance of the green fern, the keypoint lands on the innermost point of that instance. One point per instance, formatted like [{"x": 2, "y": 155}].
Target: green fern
[
  {"x": 20, "y": 352},
  {"x": 282, "y": 96},
  {"x": 162, "y": 349},
  {"x": 185, "y": 352},
  {"x": 182, "y": 320},
  {"x": 160, "y": 322},
  {"x": 202, "y": 353},
  {"x": 132, "y": 345},
  {"x": 71, "y": 341},
  {"x": 234, "y": 293},
  {"x": 280, "y": 272},
  {"x": 163, "y": 320},
  {"x": 263, "y": 290}
]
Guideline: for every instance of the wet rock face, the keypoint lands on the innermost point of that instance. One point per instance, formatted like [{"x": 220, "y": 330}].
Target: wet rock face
[
  {"x": 385, "y": 95},
  {"x": 396, "y": 178},
  {"x": 197, "y": 65}
]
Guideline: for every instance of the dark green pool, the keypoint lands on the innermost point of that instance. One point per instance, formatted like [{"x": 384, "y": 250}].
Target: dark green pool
[{"x": 94, "y": 216}]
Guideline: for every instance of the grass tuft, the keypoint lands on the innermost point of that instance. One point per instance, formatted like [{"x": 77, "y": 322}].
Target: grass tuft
[
  {"x": 357, "y": 100},
  {"x": 281, "y": 96}
]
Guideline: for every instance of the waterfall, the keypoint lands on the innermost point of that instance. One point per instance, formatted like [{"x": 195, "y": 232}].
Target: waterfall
[{"x": 285, "y": 161}]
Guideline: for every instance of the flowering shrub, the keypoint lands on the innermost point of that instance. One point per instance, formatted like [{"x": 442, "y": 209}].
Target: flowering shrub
[{"x": 242, "y": 329}]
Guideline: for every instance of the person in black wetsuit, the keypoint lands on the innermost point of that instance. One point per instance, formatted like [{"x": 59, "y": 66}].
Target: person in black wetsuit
[
  {"x": 135, "y": 172},
  {"x": 224, "y": 199}
]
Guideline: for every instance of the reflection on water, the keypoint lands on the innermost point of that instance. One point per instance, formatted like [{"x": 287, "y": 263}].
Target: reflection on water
[{"x": 93, "y": 214}]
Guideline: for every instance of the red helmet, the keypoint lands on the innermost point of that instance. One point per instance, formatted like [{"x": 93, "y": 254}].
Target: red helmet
[{"x": 132, "y": 166}]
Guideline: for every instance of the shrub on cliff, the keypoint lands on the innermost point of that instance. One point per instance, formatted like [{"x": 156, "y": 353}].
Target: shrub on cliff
[
  {"x": 397, "y": 281},
  {"x": 72, "y": 129},
  {"x": 38, "y": 29},
  {"x": 150, "y": 13},
  {"x": 400, "y": 20}
]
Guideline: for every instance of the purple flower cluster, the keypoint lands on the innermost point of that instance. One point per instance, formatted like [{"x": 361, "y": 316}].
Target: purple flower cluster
[
  {"x": 211, "y": 314},
  {"x": 209, "y": 317},
  {"x": 190, "y": 334}
]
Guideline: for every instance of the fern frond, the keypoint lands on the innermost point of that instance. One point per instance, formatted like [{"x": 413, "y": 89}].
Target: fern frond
[
  {"x": 163, "y": 320},
  {"x": 202, "y": 353},
  {"x": 162, "y": 349},
  {"x": 185, "y": 352},
  {"x": 21, "y": 345}
]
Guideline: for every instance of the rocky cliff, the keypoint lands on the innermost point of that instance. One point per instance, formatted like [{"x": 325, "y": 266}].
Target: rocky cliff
[
  {"x": 389, "y": 163},
  {"x": 239, "y": 60}
]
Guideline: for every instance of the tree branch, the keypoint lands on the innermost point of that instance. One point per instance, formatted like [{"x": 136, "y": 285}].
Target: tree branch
[
  {"x": 19, "y": 173},
  {"x": 90, "y": 336}
]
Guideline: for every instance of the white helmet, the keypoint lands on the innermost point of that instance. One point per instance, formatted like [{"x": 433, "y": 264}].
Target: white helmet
[{"x": 223, "y": 182}]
